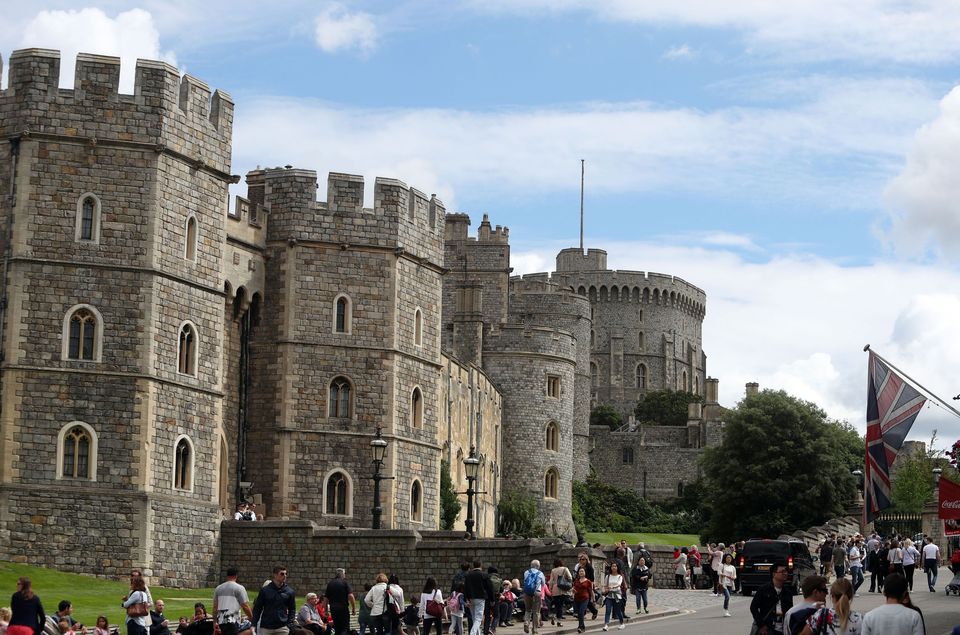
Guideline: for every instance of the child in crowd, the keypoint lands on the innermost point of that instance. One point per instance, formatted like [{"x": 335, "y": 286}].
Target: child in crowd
[
  {"x": 411, "y": 616},
  {"x": 363, "y": 615},
  {"x": 5, "y": 615},
  {"x": 102, "y": 627},
  {"x": 65, "y": 628},
  {"x": 455, "y": 608}
]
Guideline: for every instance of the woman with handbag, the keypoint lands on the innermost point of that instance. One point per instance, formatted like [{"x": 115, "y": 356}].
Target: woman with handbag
[
  {"x": 614, "y": 590},
  {"x": 137, "y": 608},
  {"x": 431, "y": 607},
  {"x": 561, "y": 589}
]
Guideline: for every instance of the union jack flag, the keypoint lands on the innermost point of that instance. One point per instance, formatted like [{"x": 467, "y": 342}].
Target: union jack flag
[{"x": 892, "y": 407}]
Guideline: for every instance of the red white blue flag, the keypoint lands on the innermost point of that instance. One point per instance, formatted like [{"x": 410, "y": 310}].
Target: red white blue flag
[{"x": 892, "y": 407}]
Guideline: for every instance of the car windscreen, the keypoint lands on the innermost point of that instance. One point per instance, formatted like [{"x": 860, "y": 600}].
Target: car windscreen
[{"x": 763, "y": 550}]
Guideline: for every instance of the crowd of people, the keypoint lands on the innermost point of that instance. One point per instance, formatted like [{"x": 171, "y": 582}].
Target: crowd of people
[{"x": 879, "y": 557}]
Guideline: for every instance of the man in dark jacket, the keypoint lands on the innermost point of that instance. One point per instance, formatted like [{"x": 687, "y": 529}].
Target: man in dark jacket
[
  {"x": 772, "y": 601},
  {"x": 477, "y": 589},
  {"x": 275, "y": 608}
]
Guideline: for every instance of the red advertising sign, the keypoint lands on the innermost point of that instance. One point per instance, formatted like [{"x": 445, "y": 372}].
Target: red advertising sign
[
  {"x": 949, "y": 500},
  {"x": 951, "y": 527}
]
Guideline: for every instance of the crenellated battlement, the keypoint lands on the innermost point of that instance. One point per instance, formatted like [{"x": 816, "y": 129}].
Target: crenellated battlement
[
  {"x": 524, "y": 339},
  {"x": 165, "y": 111},
  {"x": 457, "y": 229}
]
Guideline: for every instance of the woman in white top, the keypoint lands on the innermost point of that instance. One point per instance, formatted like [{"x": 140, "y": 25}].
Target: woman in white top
[
  {"x": 376, "y": 602},
  {"x": 394, "y": 604},
  {"x": 728, "y": 573},
  {"x": 910, "y": 558},
  {"x": 680, "y": 569},
  {"x": 430, "y": 592},
  {"x": 896, "y": 558},
  {"x": 613, "y": 591},
  {"x": 839, "y": 620}
]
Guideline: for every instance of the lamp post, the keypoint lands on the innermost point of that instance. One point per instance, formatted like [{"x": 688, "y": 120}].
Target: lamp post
[
  {"x": 470, "y": 465},
  {"x": 379, "y": 447}
]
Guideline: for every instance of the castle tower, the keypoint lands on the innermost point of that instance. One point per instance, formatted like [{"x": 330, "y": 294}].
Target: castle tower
[
  {"x": 113, "y": 212},
  {"x": 349, "y": 341}
]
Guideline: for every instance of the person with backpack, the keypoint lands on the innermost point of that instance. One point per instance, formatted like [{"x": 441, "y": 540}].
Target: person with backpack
[
  {"x": 640, "y": 576},
  {"x": 533, "y": 581},
  {"x": 455, "y": 605},
  {"x": 491, "y": 613},
  {"x": 561, "y": 589}
]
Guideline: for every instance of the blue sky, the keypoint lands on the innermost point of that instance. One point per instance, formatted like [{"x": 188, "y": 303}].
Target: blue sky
[{"x": 796, "y": 160}]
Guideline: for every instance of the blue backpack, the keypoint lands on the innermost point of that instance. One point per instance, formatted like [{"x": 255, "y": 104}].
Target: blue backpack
[{"x": 531, "y": 582}]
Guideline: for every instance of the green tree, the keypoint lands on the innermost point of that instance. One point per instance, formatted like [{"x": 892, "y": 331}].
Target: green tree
[
  {"x": 518, "y": 515},
  {"x": 665, "y": 407},
  {"x": 604, "y": 415},
  {"x": 913, "y": 483},
  {"x": 449, "y": 502},
  {"x": 782, "y": 465}
]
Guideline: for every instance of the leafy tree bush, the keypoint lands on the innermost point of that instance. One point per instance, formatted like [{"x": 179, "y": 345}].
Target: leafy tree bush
[
  {"x": 782, "y": 465},
  {"x": 665, "y": 407},
  {"x": 449, "y": 502},
  {"x": 914, "y": 483},
  {"x": 518, "y": 515},
  {"x": 604, "y": 415},
  {"x": 598, "y": 506}
]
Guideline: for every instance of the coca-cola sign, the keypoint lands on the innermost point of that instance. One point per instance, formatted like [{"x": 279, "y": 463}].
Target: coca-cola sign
[
  {"x": 949, "y": 499},
  {"x": 954, "y": 504}
]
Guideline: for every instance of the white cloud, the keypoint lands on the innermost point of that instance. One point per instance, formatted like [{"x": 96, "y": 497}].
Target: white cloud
[
  {"x": 799, "y": 323},
  {"x": 924, "y": 198},
  {"x": 337, "y": 29},
  {"x": 679, "y": 52},
  {"x": 129, "y": 35}
]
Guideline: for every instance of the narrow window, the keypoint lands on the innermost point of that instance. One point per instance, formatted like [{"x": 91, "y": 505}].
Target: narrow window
[
  {"x": 83, "y": 330},
  {"x": 76, "y": 454},
  {"x": 87, "y": 224},
  {"x": 641, "y": 376},
  {"x": 594, "y": 375},
  {"x": 684, "y": 383},
  {"x": 190, "y": 249},
  {"x": 342, "y": 314},
  {"x": 416, "y": 502},
  {"x": 418, "y": 328},
  {"x": 628, "y": 456},
  {"x": 553, "y": 386},
  {"x": 336, "y": 494},
  {"x": 553, "y": 436},
  {"x": 593, "y": 338},
  {"x": 416, "y": 408},
  {"x": 187, "y": 350},
  {"x": 680, "y": 488},
  {"x": 339, "y": 398},
  {"x": 86, "y": 219},
  {"x": 183, "y": 466},
  {"x": 550, "y": 483},
  {"x": 640, "y": 341}
]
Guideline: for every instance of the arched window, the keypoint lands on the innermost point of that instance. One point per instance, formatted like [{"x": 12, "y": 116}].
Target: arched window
[
  {"x": 553, "y": 436},
  {"x": 82, "y": 333},
  {"x": 641, "y": 376},
  {"x": 337, "y": 495},
  {"x": 640, "y": 341},
  {"x": 416, "y": 502},
  {"x": 416, "y": 408},
  {"x": 342, "y": 314},
  {"x": 88, "y": 219},
  {"x": 594, "y": 375},
  {"x": 339, "y": 401},
  {"x": 187, "y": 350},
  {"x": 696, "y": 385},
  {"x": 680, "y": 488},
  {"x": 593, "y": 338},
  {"x": 683, "y": 381},
  {"x": 183, "y": 464},
  {"x": 190, "y": 248},
  {"x": 77, "y": 452},
  {"x": 418, "y": 328},
  {"x": 551, "y": 482}
]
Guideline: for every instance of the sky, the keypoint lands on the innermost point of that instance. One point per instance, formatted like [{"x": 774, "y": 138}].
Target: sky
[{"x": 797, "y": 160}]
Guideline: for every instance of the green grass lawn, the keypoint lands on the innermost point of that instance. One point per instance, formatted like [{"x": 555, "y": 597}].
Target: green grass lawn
[
  {"x": 92, "y": 596},
  {"x": 671, "y": 540}
]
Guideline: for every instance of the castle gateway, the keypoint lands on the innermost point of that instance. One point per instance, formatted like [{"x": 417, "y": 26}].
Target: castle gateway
[{"x": 168, "y": 352}]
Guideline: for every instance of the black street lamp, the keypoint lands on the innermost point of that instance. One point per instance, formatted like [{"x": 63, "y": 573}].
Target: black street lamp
[
  {"x": 379, "y": 447},
  {"x": 470, "y": 465}
]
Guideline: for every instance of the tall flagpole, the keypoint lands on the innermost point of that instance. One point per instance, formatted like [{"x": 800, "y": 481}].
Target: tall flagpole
[
  {"x": 914, "y": 381},
  {"x": 581, "y": 204}
]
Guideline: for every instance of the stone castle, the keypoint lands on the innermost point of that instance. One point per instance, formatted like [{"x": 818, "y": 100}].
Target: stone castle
[{"x": 166, "y": 353}]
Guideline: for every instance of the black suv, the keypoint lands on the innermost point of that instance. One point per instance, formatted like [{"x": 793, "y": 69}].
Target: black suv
[{"x": 754, "y": 562}]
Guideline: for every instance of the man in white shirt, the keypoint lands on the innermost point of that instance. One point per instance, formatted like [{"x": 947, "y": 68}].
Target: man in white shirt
[
  {"x": 893, "y": 618},
  {"x": 931, "y": 561},
  {"x": 854, "y": 557}
]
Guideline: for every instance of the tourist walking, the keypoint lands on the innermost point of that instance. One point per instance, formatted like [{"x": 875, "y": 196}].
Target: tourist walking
[
  {"x": 431, "y": 607},
  {"x": 376, "y": 601},
  {"x": 910, "y": 558},
  {"x": 639, "y": 583},
  {"x": 561, "y": 589},
  {"x": 582, "y": 597},
  {"x": 839, "y": 620},
  {"x": 931, "y": 561},
  {"x": 478, "y": 590},
  {"x": 26, "y": 610},
  {"x": 228, "y": 600},
  {"x": 896, "y": 558},
  {"x": 855, "y": 558},
  {"x": 583, "y": 562},
  {"x": 614, "y": 590},
  {"x": 394, "y": 603},
  {"x": 771, "y": 602},
  {"x": 728, "y": 578},
  {"x": 275, "y": 609},
  {"x": 137, "y": 608},
  {"x": 893, "y": 618},
  {"x": 533, "y": 582},
  {"x": 338, "y": 596},
  {"x": 680, "y": 568}
]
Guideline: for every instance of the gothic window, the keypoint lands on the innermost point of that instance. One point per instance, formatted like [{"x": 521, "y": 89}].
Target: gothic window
[
  {"x": 551, "y": 482},
  {"x": 553, "y": 386},
  {"x": 553, "y": 436},
  {"x": 418, "y": 328},
  {"x": 684, "y": 385},
  {"x": 696, "y": 385},
  {"x": 640, "y": 341},
  {"x": 416, "y": 502},
  {"x": 82, "y": 335},
  {"x": 187, "y": 350},
  {"x": 88, "y": 219},
  {"x": 641, "y": 376},
  {"x": 77, "y": 455},
  {"x": 594, "y": 375},
  {"x": 342, "y": 314},
  {"x": 339, "y": 401},
  {"x": 628, "y": 456},
  {"x": 183, "y": 464},
  {"x": 337, "y": 498},
  {"x": 190, "y": 248},
  {"x": 593, "y": 338},
  {"x": 416, "y": 408},
  {"x": 680, "y": 488}
]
